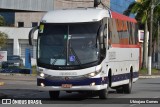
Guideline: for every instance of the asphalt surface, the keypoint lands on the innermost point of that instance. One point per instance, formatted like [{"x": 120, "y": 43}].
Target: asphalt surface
[{"x": 26, "y": 88}]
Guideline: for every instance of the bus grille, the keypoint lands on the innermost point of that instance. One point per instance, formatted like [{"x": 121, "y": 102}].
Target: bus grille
[{"x": 57, "y": 78}]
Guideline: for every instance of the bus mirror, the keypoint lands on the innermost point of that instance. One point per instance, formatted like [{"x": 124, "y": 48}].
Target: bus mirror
[
  {"x": 31, "y": 35},
  {"x": 102, "y": 42},
  {"x": 101, "y": 37}
]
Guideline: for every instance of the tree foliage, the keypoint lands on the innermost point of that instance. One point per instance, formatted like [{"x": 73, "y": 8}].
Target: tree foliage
[
  {"x": 141, "y": 9},
  {"x": 142, "y": 14},
  {"x": 3, "y": 39}
]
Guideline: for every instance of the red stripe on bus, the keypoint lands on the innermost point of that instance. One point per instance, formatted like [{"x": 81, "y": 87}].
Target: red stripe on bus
[
  {"x": 119, "y": 16},
  {"x": 125, "y": 46}
]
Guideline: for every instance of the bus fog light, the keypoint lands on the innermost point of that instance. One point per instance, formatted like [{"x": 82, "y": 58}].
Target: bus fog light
[
  {"x": 42, "y": 84},
  {"x": 93, "y": 84}
]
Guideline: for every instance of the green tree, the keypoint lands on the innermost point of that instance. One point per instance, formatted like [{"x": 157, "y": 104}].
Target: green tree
[
  {"x": 142, "y": 12},
  {"x": 2, "y": 21},
  {"x": 3, "y": 39},
  {"x": 141, "y": 9}
]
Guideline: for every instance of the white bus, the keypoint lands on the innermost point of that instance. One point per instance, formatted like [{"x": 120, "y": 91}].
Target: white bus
[{"x": 86, "y": 49}]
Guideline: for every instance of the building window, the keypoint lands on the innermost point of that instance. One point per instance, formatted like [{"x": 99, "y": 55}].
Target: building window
[
  {"x": 34, "y": 24},
  {"x": 20, "y": 24}
]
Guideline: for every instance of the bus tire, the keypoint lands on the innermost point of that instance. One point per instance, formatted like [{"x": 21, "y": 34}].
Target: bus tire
[
  {"x": 54, "y": 94},
  {"x": 128, "y": 87},
  {"x": 103, "y": 94}
]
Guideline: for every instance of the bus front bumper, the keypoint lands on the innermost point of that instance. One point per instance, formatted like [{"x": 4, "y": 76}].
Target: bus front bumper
[
  {"x": 74, "y": 88},
  {"x": 85, "y": 84}
]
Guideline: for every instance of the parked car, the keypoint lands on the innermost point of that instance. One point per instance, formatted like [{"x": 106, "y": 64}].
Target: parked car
[{"x": 13, "y": 60}]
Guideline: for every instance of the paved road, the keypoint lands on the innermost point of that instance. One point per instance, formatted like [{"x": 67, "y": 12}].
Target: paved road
[{"x": 143, "y": 88}]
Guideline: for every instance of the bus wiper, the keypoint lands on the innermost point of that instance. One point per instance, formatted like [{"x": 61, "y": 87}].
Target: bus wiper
[{"x": 78, "y": 60}]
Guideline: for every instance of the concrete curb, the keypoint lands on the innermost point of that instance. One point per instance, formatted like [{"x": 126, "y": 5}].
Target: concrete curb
[{"x": 149, "y": 76}]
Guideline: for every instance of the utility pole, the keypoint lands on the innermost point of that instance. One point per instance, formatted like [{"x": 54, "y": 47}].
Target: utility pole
[
  {"x": 158, "y": 39},
  {"x": 158, "y": 46},
  {"x": 145, "y": 46},
  {"x": 150, "y": 40}
]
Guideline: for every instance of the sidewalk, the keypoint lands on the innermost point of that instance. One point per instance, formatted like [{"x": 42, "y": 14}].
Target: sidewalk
[
  {"x": 23, "y": 77},
  {"x": 149, "y": 76}
]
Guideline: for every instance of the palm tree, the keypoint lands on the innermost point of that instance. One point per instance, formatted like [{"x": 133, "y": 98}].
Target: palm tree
[{"x": 141, "y": 9}]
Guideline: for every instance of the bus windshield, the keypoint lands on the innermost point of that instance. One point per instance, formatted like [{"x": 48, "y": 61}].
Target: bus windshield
[{"x": 68, "y": 44}]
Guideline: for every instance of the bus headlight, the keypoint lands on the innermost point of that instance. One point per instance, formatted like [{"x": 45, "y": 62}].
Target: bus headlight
[
  {"x": 41, "y": 75},
  {"x": 92, "y": 74}
]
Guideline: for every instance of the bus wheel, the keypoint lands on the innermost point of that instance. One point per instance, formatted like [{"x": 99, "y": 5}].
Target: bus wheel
[
  {"x": 54, "y": 94},
  {"x": 103, "y": 94},
  {"x": 128, "y": 87}
]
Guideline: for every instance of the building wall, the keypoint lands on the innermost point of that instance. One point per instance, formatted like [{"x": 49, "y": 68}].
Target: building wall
[
  {"x": 28, "y": 18},
  {"x": 63, "y": 4},
  {"x": 18, "y": 42},
  {"x": 32, "y": 5},
  {"x": 46, "y": 5}
]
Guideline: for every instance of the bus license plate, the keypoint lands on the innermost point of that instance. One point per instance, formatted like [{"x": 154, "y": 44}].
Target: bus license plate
[{"x": 66, "y": 85}]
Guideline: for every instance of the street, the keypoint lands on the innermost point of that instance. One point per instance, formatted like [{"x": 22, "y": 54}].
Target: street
[{"x": 143, "y": 88}]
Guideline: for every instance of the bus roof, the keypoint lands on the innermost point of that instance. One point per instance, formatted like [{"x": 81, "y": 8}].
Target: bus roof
[
  {"x": 82, "y": 15},
  {"x": 119, "y": 16},
  {"x": 75, "y": 15}
]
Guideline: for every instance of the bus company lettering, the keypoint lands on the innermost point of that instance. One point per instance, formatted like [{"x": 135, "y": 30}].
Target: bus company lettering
[
  {"x": 68, "y": 73},
  {"x": 112, "y": 55}
]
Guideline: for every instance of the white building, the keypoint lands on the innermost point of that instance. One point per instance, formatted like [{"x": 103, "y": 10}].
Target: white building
[{"x": 18, "y": 42}]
